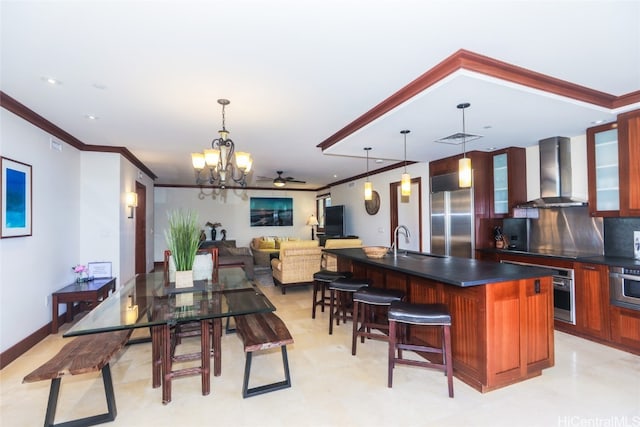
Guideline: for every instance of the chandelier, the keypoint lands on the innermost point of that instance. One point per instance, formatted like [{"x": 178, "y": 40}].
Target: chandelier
[{"x": 219, "y": 159}]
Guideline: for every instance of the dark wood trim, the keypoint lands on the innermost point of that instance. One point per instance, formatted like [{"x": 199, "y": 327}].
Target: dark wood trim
[
  {"x": 285, "y": 188},
  {"x": 21, "y": 347},
  {"x": 627, "y": 99},
  {"x": 464, "y": 59},
  {"x": 10, "y": 104},
  {"x": 393, "y": 206},
  {"x": 141, "y": 230}
]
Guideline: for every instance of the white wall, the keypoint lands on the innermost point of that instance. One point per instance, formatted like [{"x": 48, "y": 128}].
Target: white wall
[
  {"x": 78, "y": 217},
  {"x": 31, "y": 268},
  {"x": 231, "y": 209},
  {"x": 373, "y": 230}
]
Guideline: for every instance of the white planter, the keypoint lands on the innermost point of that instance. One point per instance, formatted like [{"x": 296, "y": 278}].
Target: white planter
[{"x": 184, "y": 279}]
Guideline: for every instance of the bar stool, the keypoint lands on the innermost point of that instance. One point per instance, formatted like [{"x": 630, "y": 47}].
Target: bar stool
[
  {"x": 364, "y": 302},
  {"x": 420, "y": 315},
  {"x": 320, "y": 281},
  {"x": 340, "y": 289}
]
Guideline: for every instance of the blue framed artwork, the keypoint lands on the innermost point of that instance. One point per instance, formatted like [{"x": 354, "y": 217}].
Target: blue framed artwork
[
  {"x": 16, "y": 198},
  {"x": 271, "y": 211}
]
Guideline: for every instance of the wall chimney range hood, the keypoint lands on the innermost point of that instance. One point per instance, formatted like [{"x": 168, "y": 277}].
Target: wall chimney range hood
[{"x": 555, "y": 175}]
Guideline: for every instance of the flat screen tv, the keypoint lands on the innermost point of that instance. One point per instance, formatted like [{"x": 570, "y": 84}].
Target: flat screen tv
[{"x": 334, "y": 221}]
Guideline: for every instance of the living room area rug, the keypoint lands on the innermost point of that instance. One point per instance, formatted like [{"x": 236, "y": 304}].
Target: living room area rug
[{"x": 263, "y": 276}]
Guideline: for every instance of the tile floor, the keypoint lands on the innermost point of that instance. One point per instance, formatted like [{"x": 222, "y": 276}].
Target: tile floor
[{"x": 590, "y": 385}]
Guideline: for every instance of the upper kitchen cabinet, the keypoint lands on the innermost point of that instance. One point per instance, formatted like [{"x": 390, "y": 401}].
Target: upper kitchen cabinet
[
  {"x": 509, "y": 184},
  {"x": 603, "y": 170},
  {"x": 629, "y": 152},
  {"x": 613, "y": 153}
]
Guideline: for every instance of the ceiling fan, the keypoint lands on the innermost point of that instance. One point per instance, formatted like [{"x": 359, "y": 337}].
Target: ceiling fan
[{"x": 280, "y": 181}]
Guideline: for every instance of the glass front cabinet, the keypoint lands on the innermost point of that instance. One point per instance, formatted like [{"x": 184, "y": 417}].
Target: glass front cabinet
[
  {"x": 509, "y": 186},
  {"x": 603, "y": 170}
]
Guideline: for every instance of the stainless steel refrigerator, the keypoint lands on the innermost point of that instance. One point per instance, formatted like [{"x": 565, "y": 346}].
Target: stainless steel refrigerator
[{"x": 452, "y": 230}]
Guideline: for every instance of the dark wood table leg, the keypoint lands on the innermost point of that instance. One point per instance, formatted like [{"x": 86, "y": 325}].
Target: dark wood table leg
[
  {"x": 54, "y": 314},
  {"x": 156, "y": 356},
  {"x": 205, "y": 356},
  {"x": 69, "y": 314},
  {"x": 217, "y": 347},
  {"x": 166, "y": 364}
]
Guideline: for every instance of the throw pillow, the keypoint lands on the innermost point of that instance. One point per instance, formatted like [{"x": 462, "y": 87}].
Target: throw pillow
[{"x": 267, "y": 245}]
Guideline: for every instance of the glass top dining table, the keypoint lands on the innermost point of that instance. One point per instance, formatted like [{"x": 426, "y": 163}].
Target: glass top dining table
[
  {"x": 148, "y": 301},
  {"x": 231, "y": 295}
]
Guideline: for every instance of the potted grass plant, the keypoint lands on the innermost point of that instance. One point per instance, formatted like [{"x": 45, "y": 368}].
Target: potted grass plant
[{"x": 183, "y": 238}]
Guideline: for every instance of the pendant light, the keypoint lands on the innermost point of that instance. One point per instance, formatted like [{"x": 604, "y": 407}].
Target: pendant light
[
  {"x": 405, "y": 182},
  {"x": 464, "y": 164},
  {"x": 368, "y": 186}
]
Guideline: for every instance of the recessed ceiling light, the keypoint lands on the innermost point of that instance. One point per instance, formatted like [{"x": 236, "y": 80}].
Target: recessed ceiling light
[
  {"x": 379, "y": 160},
  {"x": 487, "y": 127},
  {"x": 597, "y": 122},
  {"x": 91, "y": 117},
  {"x": 51, "y": 80}
]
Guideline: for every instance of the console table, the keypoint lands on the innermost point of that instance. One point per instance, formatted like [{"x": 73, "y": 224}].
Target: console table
[{"x": 92, "y": 292}]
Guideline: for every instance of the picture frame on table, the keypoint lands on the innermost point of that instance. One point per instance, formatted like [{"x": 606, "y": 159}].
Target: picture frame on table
[
  {"x": 16, "y": 194},
  {"x": 99, "y": 270}
]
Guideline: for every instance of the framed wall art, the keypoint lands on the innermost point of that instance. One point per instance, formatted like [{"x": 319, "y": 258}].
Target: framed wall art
[
  {"x": 271, "y": 211},
  {"x": 16, "y": 198}
]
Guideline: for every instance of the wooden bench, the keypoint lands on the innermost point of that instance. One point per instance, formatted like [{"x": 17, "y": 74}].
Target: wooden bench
[
  {"x": 87, "y": 353},
  {"x": 261, "y": 332}
]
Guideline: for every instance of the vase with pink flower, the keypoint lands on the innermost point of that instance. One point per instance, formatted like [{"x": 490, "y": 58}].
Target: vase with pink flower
[{"x": 82, "y": 273}]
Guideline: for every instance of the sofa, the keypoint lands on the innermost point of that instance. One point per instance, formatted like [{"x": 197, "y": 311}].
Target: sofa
[
  {"x": 263, "y": 247},
  {"x": 330, "y": 261},
  {"x": 296, "y": 263},
  {"x": 230, "y": 256}
]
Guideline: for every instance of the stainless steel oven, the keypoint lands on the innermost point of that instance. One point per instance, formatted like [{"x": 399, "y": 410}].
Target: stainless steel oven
[
  {"x": 564, "y": 303},
  {"x": 625, "y": 287}
]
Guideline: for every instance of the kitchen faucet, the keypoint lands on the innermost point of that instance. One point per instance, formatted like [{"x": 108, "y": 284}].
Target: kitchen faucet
[{"x": 395, "y": 238}]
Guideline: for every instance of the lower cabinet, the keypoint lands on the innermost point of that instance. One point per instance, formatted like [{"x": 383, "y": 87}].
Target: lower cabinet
[
  {"x": 625, "y": 328},
  {"x": 592, "y": 300}
]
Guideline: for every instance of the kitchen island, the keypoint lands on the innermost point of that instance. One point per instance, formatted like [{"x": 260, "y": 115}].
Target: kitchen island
[{"x": 502, "y": 315}]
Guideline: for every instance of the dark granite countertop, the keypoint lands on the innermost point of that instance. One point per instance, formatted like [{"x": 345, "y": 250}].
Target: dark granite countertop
[
  {"x": 451, "y": 270},
  {"x": 612, "y": 261},
  {"x": 572, "y": 256}
]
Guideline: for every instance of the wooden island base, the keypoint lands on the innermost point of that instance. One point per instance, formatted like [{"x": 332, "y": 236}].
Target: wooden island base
[{"x": 502, "y": 332}]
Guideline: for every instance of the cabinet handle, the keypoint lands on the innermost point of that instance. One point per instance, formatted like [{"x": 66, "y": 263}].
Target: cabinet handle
[{"x": 589, "y": 267}]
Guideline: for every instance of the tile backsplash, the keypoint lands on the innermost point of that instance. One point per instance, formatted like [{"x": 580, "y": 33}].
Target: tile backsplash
[{"x": 619, "y": 235}]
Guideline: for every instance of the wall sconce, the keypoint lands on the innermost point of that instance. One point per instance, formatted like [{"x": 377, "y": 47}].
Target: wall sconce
[
  {"x": 312, "y": 221},
  {"x": 131, "y": 200}
]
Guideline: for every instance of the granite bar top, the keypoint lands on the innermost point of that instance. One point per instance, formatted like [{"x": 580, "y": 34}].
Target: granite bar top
[{"x": 455, "y": 271}]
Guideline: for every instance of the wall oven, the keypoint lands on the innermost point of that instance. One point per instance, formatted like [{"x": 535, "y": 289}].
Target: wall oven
[
  {"x": 564, "y": 303},
  {"x": 625, "y": 287}
]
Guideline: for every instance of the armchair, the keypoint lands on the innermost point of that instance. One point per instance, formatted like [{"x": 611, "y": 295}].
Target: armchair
[{"x": 297, "y": 262}]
